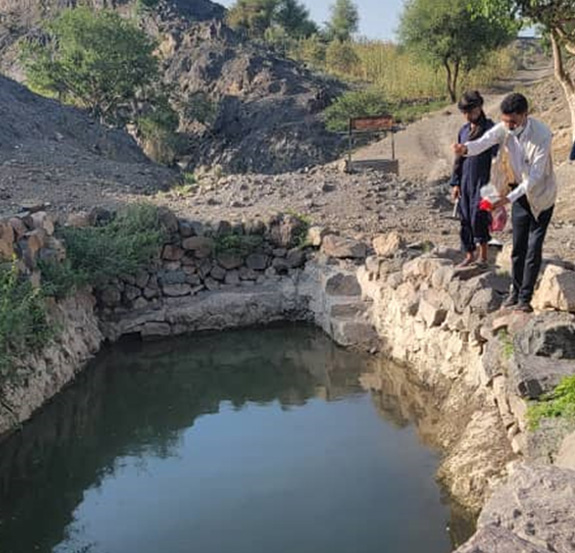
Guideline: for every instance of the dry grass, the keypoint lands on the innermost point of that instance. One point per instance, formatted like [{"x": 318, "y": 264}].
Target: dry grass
[{"x": 400, "y": 75}]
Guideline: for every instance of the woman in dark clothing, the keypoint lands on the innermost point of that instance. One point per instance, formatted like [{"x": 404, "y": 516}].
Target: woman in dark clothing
[{"x": 469, "y": 175}]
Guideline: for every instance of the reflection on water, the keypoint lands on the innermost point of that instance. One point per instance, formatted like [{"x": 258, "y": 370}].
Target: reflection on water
[{"x": 252, "y": 441}]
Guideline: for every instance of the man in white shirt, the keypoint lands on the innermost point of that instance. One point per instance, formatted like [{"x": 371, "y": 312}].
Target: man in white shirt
[{"x": 533, "y": 193}]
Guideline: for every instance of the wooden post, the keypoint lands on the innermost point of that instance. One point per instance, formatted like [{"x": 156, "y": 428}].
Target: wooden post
[{"x": 349, "y": 146}]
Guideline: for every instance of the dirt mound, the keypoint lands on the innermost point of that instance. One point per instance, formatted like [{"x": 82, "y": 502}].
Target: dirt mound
[
  {"x": 267, "y": 117},
  {"x": 56, "y": 153},
  {"x": 266, "y": 107}
]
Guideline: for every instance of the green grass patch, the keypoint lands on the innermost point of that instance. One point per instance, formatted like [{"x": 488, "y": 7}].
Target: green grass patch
[
  {"x": 507, "y": 347},
  {"x": 357, "y": 103},
  {"x": 238, "y": 244},
  {"x": 302, "y": 231},
  {"x": 24, "y": 326},
  {"x": 98, "y": 255},
  {"x": 558, "y": 403}
]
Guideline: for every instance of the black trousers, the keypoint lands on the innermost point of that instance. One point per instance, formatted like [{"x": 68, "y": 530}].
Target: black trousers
[{"x": 528, "y": 236}]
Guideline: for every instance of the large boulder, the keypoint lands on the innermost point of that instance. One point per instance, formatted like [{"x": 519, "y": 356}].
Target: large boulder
[
  {"x": 343, "y": 248},
  {"x": 386, "y": 245},
  {"x": 556, "y": 289},
  {"x": 536, "y": 505}
]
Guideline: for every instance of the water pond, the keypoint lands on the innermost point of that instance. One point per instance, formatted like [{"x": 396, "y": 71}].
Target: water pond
[{"x": 256, "y": 441}]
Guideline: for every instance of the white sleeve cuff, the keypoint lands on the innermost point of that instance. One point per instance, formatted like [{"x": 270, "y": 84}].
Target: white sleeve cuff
[{"x": 518, "y": 192}]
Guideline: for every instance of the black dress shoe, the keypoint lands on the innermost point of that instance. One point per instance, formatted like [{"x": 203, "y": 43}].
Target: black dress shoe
[{"x": 524, "y": 307}]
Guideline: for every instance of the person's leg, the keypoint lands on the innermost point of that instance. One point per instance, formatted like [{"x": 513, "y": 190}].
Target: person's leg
[
  {"x": 466, "y": 232},
  {"x": 521, "y": 220},
  {"x": 538, "y": 229},
  {"x": 481, "y": 236}
]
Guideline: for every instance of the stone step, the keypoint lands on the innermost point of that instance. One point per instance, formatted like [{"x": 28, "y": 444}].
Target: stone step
[{"x": 352, "y": 331}]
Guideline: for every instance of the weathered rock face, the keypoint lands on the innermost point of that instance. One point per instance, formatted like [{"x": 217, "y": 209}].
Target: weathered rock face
[
  {"x": 533, "y": 511},
  {"x": 266, "y": 117}
]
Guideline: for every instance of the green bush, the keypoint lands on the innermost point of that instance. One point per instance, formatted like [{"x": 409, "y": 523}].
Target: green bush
[
  {"x": 158, "y": 132},
  {"x": 100, "y": 254},
  {"x": 238, "y": 244},
  {"x": 23, "y": 322},
  {"x": 361, "y": 103},
  {"x": 60, "y": 279},
  {"x": 558, "y": 403}
]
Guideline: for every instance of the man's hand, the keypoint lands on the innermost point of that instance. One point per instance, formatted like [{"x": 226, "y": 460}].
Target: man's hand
[
  {"x": 459, "y": 149},
  {"x": 500, "y": 202},
  {"x": 455, "y": 193}
]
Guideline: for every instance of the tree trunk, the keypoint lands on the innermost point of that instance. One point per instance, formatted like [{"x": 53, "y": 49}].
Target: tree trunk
[
  {"x": 455, "y": 78},
  {"x": 450, "y": 88},
  {"x": 566, "y": 81}
]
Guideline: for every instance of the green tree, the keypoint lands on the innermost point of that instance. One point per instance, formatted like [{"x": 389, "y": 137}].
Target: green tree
[
  {"x": 344, "y": 20},
  {"x": 94, "y": 59},
  {"x": 557, "y": 20},
  {"x": 253, "y": 17},
  {"x": 449, "y": 34},
  {"x": 294, "y": 18},
  {"x": 261, "y": 18}
]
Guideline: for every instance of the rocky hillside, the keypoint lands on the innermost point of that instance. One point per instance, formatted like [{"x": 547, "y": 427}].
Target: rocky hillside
[
  {"x": 266, "y": 107},
  {"x": 46, "y": 145}
]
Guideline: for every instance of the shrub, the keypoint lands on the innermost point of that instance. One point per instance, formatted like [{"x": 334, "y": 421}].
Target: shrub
[
  {"x": 340, "y": 57},
  {"x": 60, "y": 279},
  {"x": 359, "y": 103},
  {"x": 100, "y": 254},
  {"x": 558, "y": 403},
  {"x": 238, "y": 244},
  {"x": 309, "y": 50},
  {"x": 199, "y": 107},
  {"x": 23, "y": 322},
  {"x": 158, "y": 132},
  {"x": 94, "y": 59}
]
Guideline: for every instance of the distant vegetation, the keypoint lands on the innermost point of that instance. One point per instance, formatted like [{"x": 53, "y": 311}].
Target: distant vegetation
[
  {"x": 555, "y": 19},
  {"x": 445, "y": 48},
  {"x": 449, "y": 35},
  {"x": 103, "y": 62}
]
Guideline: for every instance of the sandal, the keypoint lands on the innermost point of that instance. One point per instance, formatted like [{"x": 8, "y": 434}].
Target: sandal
[{"x": 465, "y": 263}]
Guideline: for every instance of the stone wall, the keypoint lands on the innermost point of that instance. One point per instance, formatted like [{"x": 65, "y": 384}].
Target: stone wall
[
  {"x": 27, "y": 238},
  {"x": 444, "y": 324},
  {"x": 198, "y": 257},
  {"x": 447, "y": 326}
]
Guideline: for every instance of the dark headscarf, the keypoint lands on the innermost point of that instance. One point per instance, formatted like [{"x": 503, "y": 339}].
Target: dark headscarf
[{"x": 469, "y": 101}]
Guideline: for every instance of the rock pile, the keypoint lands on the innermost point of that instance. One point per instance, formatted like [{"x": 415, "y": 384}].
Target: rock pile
[{"x": 29, "y": 237}]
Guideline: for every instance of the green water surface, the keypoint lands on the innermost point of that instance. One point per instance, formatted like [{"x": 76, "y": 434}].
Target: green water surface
[{"x": 258, "y": 441}]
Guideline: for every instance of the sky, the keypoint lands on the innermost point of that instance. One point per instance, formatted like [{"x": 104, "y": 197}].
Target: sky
[{"x": 377, "y": 18}]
